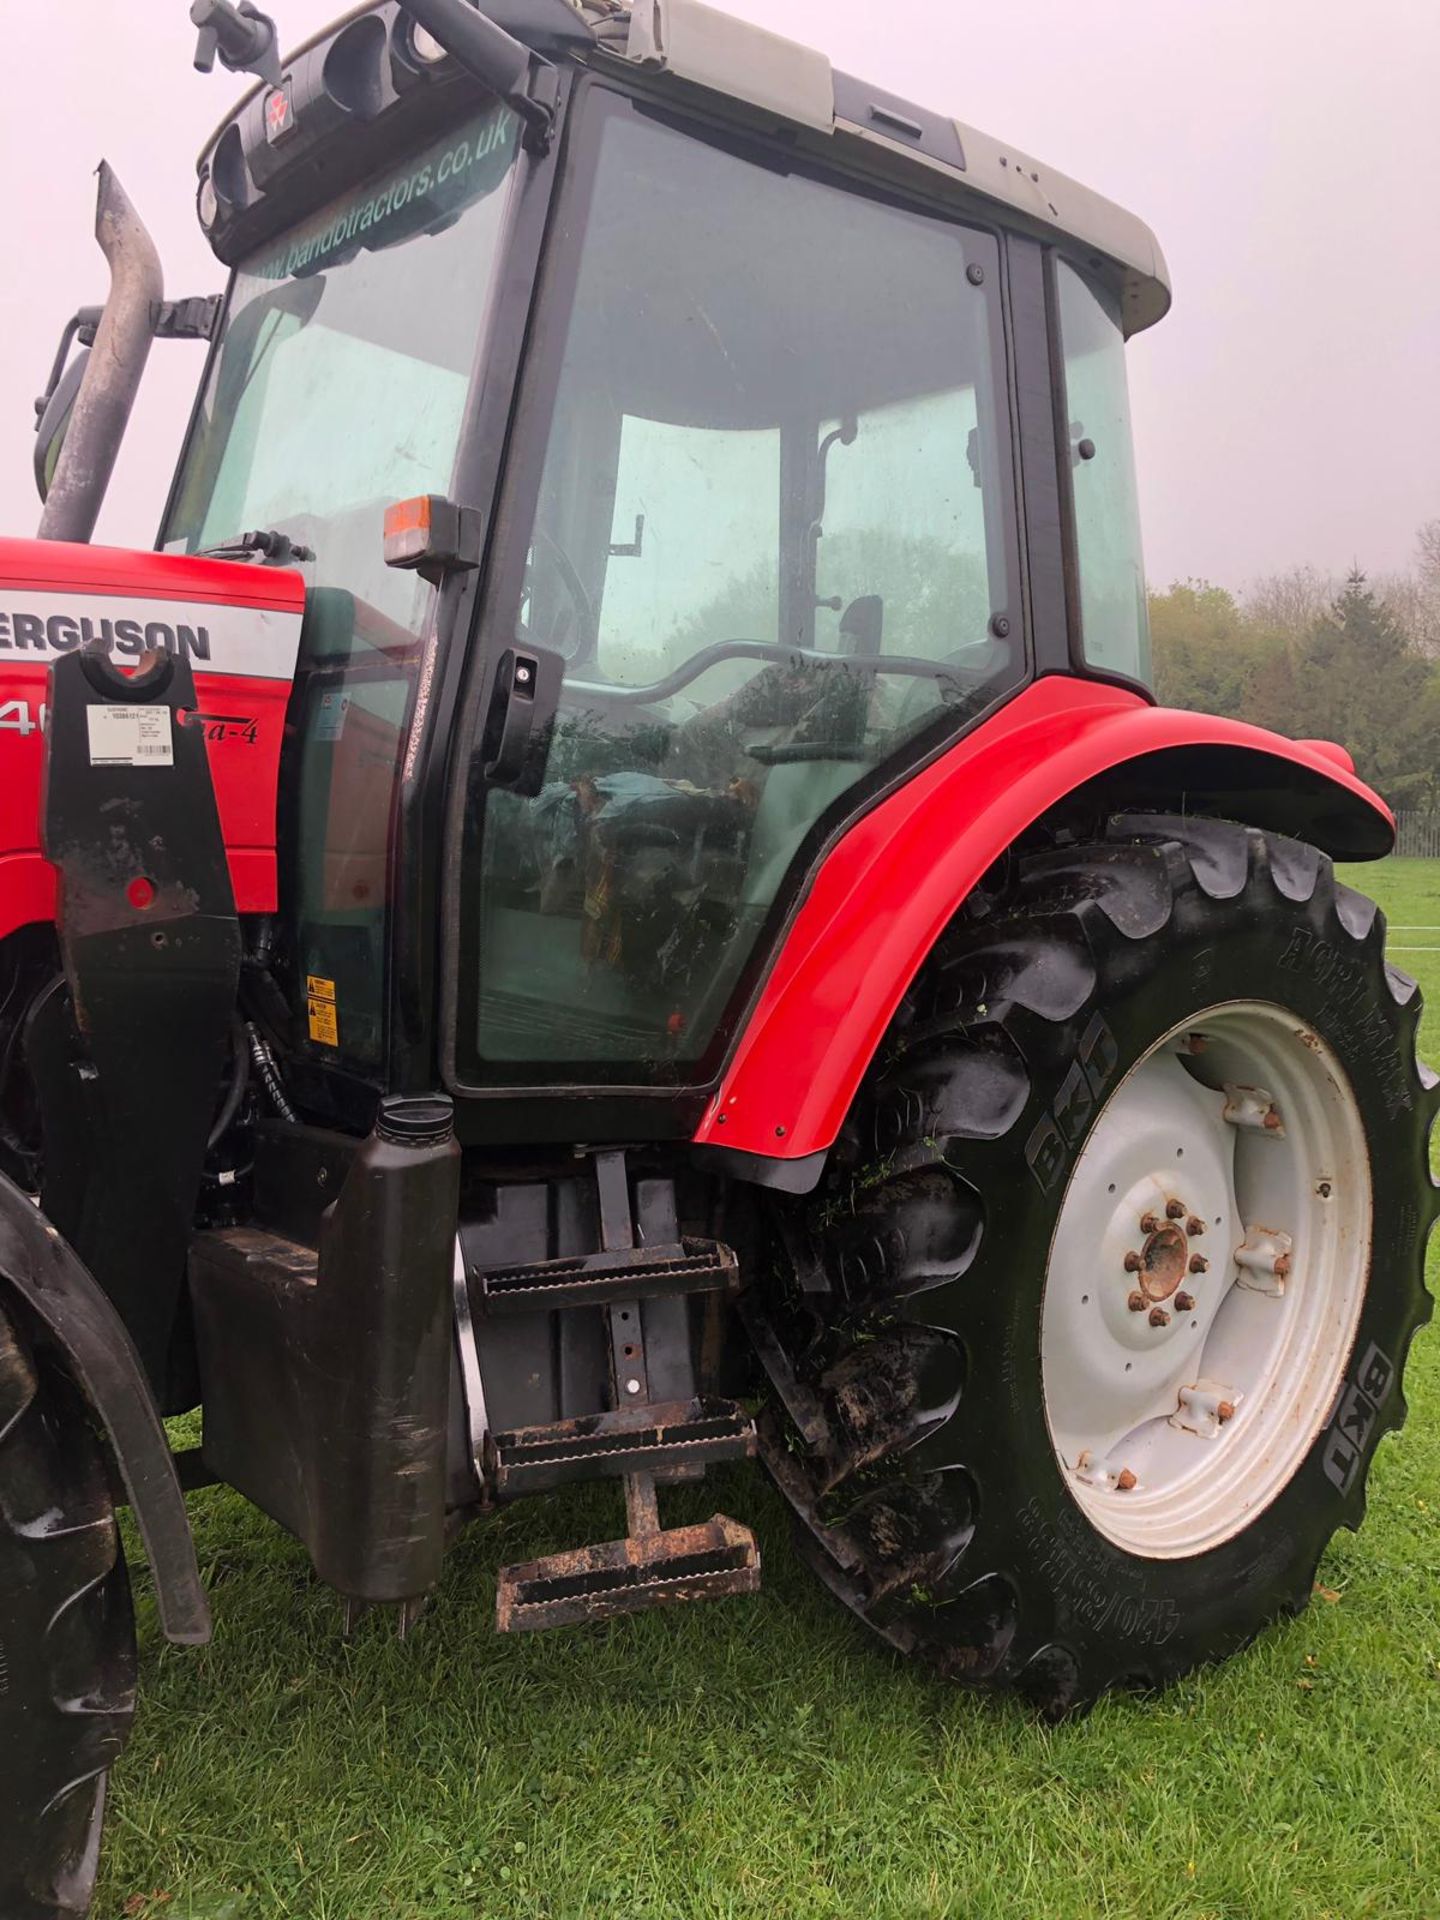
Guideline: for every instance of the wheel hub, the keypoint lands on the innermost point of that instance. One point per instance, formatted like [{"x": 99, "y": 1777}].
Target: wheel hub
[
  {"x": 1163, "y": 1261},
  {"x": 1182, "y": 1387}
]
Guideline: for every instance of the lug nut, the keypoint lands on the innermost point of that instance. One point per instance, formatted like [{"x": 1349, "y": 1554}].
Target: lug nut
[
  {"x": 1138, "y": 1302},
  {"x": 1149, "y": 1223},
  {"x": 1225, "y": 1411},
  {"x": 1194, "y": 1226},
  {"x": 1175, "y": 1209},
  {"x": 1184, "y": 1303},
  {"x": 1133, "y": 1262},
  {"x": 1199, "y": 1264},
  {"x": 1125, "y": 1480},
  {"x": 1159, "y": 1317},
  {"x": 1272, "y": 1122}
]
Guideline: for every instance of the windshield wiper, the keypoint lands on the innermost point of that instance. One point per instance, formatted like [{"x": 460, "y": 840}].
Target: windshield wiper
[{"x": 272, "y": 545}]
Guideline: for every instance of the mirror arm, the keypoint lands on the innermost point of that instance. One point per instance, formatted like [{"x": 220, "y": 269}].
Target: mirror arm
[
  {"x": 527, "y": 84},
  {"x": 192, "y": 319},
  {"x": 81, "y": 325}
]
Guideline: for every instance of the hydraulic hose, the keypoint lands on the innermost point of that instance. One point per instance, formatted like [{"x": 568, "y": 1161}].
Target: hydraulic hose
[{"x": 269, "y": 1073}]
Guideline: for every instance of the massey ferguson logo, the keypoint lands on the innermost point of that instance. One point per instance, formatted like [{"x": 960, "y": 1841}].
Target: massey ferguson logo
[
  {"x": 278, "y": 115},
  {"x": 63, "y": 632},
  {"x": 232, "y": 641}
]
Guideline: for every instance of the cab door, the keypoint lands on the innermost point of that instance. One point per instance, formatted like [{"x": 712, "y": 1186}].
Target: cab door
[{"x": 761, "y": 525}]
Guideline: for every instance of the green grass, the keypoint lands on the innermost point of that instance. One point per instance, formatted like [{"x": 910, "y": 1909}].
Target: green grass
[{"x": 764, "y": 1758}]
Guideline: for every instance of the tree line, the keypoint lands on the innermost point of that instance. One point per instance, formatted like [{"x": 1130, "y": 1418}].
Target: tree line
[{"x": 1355, "y": 660}]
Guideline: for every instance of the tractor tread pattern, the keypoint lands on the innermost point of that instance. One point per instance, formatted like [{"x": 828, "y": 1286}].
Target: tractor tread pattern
[
  {"x": 67, "y": 1642},
  {"x": 891, "y": 1504}
]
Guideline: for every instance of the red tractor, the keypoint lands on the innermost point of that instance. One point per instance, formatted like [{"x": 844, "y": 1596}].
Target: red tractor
[{"x": 613, "y": 896}]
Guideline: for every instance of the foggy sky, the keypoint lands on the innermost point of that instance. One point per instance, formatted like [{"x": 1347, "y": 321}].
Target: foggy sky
[{"x": 1287, "y": 152}]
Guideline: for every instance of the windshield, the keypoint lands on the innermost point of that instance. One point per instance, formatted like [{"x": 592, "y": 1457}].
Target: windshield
[
  {"x": 341, "y": 381},
  {"x": 340, "y": 386}
]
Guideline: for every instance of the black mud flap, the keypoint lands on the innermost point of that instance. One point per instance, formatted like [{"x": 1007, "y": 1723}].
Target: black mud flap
[{"x": 128, "y": 1074}]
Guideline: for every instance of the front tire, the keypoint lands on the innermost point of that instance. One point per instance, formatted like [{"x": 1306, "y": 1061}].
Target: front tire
[
  {"x": 1011, "y": 1450},
  {"x": 67, "y": 1638}
]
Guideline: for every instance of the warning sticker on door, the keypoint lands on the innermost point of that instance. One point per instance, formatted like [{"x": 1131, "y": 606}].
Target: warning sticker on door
[
  {"x": 130, "y": 737},
  {"x": 324, "y": 1021}
]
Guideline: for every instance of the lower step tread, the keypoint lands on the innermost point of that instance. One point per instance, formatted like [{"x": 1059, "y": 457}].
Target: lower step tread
[
  {"x": 711, "y": 1561},
  {"x": 609, "y": 1445}
]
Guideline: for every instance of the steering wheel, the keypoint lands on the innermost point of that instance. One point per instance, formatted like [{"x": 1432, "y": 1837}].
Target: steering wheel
[
  {"x": 702, "y": 661},
  {"x": 794, "y": 752},
  {"x": 581, "y": 611}
]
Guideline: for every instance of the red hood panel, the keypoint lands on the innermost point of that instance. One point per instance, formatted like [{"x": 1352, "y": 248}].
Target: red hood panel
[{"x": 239, "y": 627}]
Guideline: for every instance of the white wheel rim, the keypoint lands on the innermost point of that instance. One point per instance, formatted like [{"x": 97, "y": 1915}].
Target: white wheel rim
[{"x": 1236, "y": 1139}]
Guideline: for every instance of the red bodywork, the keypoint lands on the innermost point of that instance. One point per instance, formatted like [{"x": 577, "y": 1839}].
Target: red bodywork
[
  {"x": 874, "y": 909},
  {"x": 887, "y": 889},
  {"x": 240, "y": 627}
]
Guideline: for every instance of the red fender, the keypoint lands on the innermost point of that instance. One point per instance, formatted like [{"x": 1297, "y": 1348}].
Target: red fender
[{"x": 887, "y": 888}]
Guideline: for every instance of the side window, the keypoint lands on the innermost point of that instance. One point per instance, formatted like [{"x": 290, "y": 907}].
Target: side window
[
  {"x": 1114, "y": 622},
  {"x": 905, "y": 519},
  {"x": 694, "y": 505},
  {"x": 774, "y": 542}
]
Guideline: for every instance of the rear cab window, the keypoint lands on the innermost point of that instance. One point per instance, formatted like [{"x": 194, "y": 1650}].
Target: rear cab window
[{"x": 1096, "y": 442}]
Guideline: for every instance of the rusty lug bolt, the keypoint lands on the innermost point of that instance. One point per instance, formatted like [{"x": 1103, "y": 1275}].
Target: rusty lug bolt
[
  {"x": 1225, "y": 1411},
  {"x": 1199, "y": 1264},
  {"x": 1133, "y": 1262},
  {"x": 1194, "y": 1226},
  {"x": 1149, "y": 1223},
  {"x": 1159, "y": 1317},
  {"x": 1184, "y": 1303},
  {"x": 1282, "y": 1266},
  {"x": 1175, "y": 1209},
  {"x": 1272, "y": 1122},
  {"x": 1125, "y": 1480},
  {"x": 1138, "y": 1302}
]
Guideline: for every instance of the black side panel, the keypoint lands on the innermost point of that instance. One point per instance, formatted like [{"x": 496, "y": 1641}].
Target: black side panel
[
  {"x": 542, "y": 1364},
  {"x": 63, "y": 1302},
  {"x": 326, "y": 1372},
  {"x": 151, "y": 949}
]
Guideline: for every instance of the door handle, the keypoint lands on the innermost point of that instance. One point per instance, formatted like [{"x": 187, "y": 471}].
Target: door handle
[{"x": 516, "y": 741}]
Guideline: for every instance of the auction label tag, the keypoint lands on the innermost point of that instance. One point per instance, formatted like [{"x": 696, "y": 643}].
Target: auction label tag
[
  {"x": 324, "y": 1020},
  {"x": 130, "y": 737}
]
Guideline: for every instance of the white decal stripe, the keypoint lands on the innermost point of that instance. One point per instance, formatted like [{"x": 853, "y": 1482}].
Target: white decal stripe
[{"x": 259, "y": 642}]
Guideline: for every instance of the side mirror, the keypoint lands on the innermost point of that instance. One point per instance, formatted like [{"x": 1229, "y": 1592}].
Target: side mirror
[{"x": 54, "y": 422}]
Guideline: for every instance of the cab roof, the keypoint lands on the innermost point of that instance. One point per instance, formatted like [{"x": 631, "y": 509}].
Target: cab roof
[{"x": 357, "y": 70}]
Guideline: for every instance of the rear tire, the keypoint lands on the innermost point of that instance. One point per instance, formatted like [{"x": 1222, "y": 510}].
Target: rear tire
[
  {"x": 67, "y": 1638},
  {"x": 931, "y": 1401}
]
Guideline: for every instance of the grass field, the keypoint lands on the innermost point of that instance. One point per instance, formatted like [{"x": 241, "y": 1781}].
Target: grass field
[{"x": 762, "y": 1758}]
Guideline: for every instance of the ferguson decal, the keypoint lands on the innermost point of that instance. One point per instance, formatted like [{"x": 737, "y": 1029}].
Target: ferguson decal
[{"x": 256, "y": 642}]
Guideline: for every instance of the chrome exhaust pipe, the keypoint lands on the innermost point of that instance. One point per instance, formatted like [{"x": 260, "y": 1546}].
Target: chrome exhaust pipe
[{"x": 112, "y": 375}]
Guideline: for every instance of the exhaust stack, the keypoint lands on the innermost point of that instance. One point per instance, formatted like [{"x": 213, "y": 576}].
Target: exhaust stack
[{"x": 117, "y": 360}]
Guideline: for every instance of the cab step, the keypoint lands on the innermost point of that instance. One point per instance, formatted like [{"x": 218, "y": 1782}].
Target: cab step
[
  {"x": 602, "y": 1279},
  {"x": 651, "y": 1567},
  {"x": 644, "y": 1439}
]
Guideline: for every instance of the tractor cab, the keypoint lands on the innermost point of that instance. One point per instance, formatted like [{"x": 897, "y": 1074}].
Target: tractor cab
[{"x": 735, "y": 402}]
